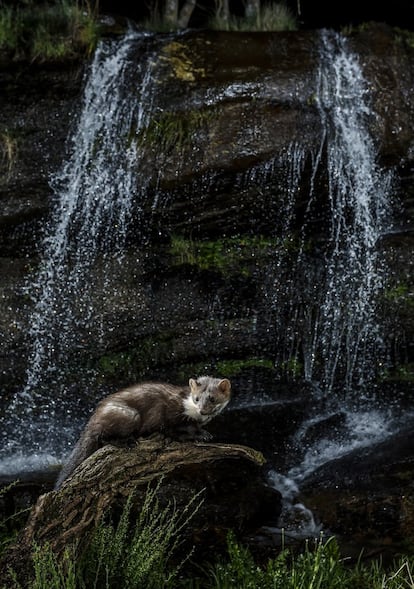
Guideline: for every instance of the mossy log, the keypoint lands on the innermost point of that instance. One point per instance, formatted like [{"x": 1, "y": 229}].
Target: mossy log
[{"x": 228, "y": 477}]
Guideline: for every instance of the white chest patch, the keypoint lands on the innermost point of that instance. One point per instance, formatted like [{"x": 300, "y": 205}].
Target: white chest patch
[{"x": 192, "y": 410}]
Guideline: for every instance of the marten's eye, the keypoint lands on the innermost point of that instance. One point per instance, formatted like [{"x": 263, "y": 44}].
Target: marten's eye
[
  {"x": 196, "y": 399},
  {"x": 211, "y": 399}
]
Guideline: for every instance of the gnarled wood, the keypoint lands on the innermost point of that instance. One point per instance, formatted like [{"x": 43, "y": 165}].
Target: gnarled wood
[{"x": 228, "y": 476}]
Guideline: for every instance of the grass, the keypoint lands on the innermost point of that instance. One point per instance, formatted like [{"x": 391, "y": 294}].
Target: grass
[
  {"x": 271, "y": 17},
  {"x": 175, "y": 132},
  {"x": 136, "y": 552},
  {"x": 47, "y": 32},
  {"x": 139, "y": 552},
  {"x": 319, "y": 566}
]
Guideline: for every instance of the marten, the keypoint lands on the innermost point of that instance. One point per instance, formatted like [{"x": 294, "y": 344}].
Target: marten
[{"x": 147, "y": 408}]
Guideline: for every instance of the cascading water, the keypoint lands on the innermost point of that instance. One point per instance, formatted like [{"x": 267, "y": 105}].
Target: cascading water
[
  {"x": 344, "y": 335},
  {"x": 94, "y": 194}
]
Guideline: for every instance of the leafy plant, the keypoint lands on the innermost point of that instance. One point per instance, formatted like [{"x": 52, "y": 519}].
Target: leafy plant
[
  {"x": 51, "y": 572},
  {"x": 7, "y": 535}
]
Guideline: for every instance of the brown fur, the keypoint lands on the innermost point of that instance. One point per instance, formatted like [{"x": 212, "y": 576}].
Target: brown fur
[{"x": 146, "y": 408}]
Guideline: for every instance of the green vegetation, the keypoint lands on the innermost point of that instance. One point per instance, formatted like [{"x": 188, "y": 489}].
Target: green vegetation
[
  {"x": 137, "y": 552},
  {"x": 174, "y": 131},
  {"x": 400, "y": 294},
  {"x": 224, "y": 255},
  {"x": 319, "y": 566},
  {"x": 115, "y": 364},
  {"x": 259, "y": 15},
  {"x": 10, "y": 527},
  {"x": 50, "y": 31},
  {"x": 140, "y": 556},
  {"x": 136, "y": 362},
  {"x": 397, "y": 292},
  {"x": 405, "y": 37},
  {"x": 234, "y": 367},
  {"x": 292, "y": 367},
  {"x": 398, "y": 373},
  {"x": 270, "y": 17}
]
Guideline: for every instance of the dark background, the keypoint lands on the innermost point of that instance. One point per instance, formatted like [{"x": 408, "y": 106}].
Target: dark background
[{"x": 313, "y": 13}]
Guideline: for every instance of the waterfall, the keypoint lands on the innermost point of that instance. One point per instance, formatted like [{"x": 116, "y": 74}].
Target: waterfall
[
  {"x": 349, "y": 333},
  {"x": 343, "y": 344},
  {"x": 346, "y": 333},
  {"x": 95, "y": 193}
]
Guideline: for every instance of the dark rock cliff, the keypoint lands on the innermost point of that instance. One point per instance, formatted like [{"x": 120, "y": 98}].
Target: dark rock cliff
[
  {"x": 196, "y": 280},
  {"x": 229, "y": 105}
]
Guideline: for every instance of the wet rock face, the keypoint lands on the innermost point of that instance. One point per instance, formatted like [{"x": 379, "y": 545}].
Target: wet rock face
[
  {"x": 228, "y": 104},
  {"x": 368, "y": 494},
  {"x": 37, "y": 105}
]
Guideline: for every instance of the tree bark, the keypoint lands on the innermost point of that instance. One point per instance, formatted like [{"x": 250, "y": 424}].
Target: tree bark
[
  {"x": 171, "y": 13},
  {"x": 252, "y": 8},
  {"x": 185, "y": 14},
  {"x": 223, "y": 10},
  {"x": 228, "y": 477}
]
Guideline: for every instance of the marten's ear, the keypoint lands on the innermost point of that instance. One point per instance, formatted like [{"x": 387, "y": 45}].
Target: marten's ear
[
  {"x": 224, "y": 385},
  {"x": 193, "y": 385}
]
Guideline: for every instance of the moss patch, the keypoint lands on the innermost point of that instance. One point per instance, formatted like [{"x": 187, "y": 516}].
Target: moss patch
[
  {"x": 172, "y": 130},
  {"x": 177, "y": 56},
  {"x": 233, "y": 254}
]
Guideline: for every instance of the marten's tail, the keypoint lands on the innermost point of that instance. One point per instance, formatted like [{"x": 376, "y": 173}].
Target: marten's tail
[{"x": 86, "y": 445}]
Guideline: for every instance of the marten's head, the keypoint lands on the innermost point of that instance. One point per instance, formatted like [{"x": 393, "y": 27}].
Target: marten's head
[{"x": 210, "y": 395}]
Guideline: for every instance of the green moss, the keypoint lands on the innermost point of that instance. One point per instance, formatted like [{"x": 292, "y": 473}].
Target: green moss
[
  {"x": 233, "y": 367},
  {"x": 180, "y": 60},
  {"x": 396, "y": 293},
  {"x": 137, "y": 362},
  {"x": 399, "y": 373},
  {"x": 233, "y": 254},
  {"x": 292, "y": 368},
  {"x": 405, "y": 372},
  {"x": 174, "y": 130},
  {"x": 400, "y": 299},
  {"x": 114, "y": 364},
  {"x": 224, "y": 368}
]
